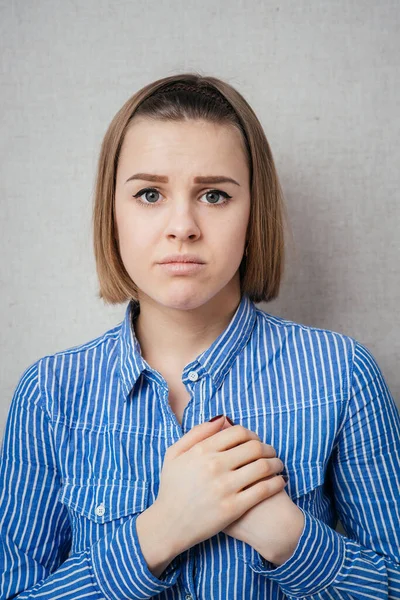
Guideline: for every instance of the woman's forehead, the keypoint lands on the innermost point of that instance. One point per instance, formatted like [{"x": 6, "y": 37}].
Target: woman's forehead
[{"x": 196, "y": 142}]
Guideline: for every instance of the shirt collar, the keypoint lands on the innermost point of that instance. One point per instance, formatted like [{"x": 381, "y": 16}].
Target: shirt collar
[{"x": 216, "y": 360}]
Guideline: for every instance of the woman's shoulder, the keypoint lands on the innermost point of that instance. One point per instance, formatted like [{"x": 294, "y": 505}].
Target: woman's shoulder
[
  {"x": 282, "y": 326},
  {"x": 104, "y": 338},
  {"x": 56, "y": 361},
  {"x": 328, "y": 345}
]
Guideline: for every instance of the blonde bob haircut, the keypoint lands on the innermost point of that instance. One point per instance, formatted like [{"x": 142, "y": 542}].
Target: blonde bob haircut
[{"x": 183, "y": 97}]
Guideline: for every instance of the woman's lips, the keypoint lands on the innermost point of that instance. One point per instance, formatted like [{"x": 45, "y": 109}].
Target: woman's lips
[{"x": 182, "y": 268}]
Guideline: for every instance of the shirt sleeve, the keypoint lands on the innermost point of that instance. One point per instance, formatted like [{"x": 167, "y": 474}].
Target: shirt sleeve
[
  {"x": 365, "y": 473},
  {"x": 35, "y": 534}
]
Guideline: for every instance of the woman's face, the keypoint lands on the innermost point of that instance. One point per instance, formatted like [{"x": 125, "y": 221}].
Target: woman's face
[{"x": 179, "y": 215}]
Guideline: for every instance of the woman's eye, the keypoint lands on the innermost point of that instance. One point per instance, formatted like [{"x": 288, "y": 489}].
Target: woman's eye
[
  {"x": 149, "y": 193},
  {"x": 217, "y": 193}
]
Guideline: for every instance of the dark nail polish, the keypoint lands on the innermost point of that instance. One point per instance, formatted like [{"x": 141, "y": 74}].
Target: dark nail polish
[
  {"x": 215, "y": 418},
  {"x": 285, "y": 477},
  {"x": 229, "y": 420}
]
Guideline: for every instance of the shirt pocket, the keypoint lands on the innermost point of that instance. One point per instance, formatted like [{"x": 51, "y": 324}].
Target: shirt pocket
[
  {"x": 303, "y": 478},
  {"x": 96, "y": 509}
]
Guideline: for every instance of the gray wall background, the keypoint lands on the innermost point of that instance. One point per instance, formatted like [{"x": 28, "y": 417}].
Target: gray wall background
[{"x": 323, "y": 78}]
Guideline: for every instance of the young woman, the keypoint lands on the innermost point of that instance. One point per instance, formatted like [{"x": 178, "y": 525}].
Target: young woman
[{"x": 150, "y": 461}]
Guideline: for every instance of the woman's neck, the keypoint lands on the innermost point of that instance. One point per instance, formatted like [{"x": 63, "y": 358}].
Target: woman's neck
[{"x": 176, "y": 337}]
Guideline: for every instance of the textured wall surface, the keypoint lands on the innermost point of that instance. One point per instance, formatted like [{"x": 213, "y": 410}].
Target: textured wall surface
[{"x": 323, "y": 78}]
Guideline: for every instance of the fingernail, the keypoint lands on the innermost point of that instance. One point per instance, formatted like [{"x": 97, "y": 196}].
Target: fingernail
[
  {"x": 229, "y": 420},
  {"x": 215, "y": 418}
]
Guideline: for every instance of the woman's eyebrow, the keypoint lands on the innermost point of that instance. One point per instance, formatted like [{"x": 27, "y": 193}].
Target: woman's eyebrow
[{"x": 200, "y": 179}]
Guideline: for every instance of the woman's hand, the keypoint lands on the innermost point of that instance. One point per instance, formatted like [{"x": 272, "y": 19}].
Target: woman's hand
[
  {"x": 272, "y": 527},
  {"x": 210, "y": 478}
]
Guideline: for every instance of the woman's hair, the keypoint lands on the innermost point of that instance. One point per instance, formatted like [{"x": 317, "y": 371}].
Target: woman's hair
[{"x": 178, "y": 98}]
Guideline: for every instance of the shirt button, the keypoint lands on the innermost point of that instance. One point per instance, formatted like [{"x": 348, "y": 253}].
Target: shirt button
[
  {"x": 188, "y": 597},
  {"x": 193, "y": 376},
  {"x": 100, "y": 510}
]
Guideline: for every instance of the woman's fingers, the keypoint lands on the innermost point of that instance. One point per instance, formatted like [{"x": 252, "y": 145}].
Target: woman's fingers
[
  {"x": 231, "y": 437},
  {"x": 248, "y": 452},
  {"x": 260, "y": 490},
  {"x": 255, "y": 471}
]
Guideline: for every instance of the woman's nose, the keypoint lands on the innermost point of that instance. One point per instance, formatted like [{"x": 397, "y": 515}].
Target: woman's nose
[{"x": 182, "y": 222}]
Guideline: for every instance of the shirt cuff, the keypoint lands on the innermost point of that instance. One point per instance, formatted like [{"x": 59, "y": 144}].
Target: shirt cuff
[
  {"x": 121, "y": 570},
  {"x": 315, "y": 563}
]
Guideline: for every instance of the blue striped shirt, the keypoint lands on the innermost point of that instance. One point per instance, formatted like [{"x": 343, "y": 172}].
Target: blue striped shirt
[{"x": 83, "y": 449}]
